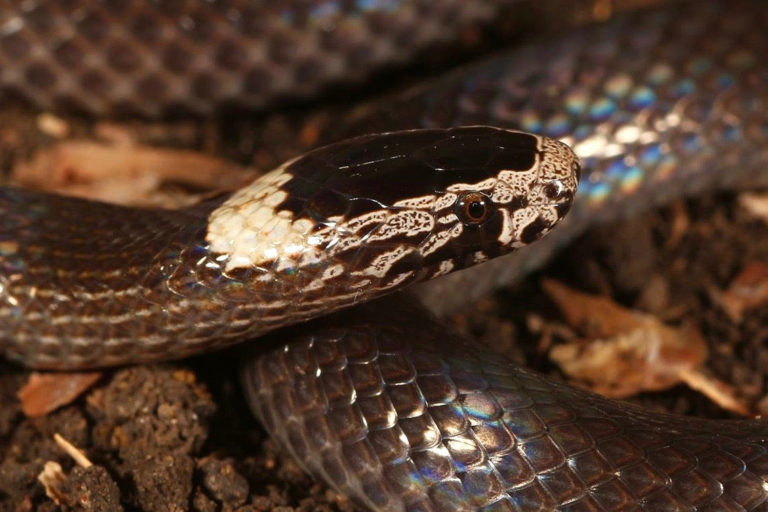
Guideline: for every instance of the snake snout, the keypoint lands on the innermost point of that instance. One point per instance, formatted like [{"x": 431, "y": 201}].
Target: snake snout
[{"x": 560, "y": 172}]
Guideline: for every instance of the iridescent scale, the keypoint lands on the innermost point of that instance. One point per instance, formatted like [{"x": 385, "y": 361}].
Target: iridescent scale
[{"x": 658, "y": 105}]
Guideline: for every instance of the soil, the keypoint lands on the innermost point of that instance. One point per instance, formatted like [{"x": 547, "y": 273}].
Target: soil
[{"x": 179, "y": 436}]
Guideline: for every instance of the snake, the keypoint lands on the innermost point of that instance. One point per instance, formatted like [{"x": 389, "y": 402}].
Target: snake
[{"x": 382, "y": 401}]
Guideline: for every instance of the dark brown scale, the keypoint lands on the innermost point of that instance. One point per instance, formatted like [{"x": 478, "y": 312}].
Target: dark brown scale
[
  {"x": 534, "y": 231},
  {"x": 299, "y": 40},
  {"x": 473, "y": 430},
  {"x": 39, "y": 76},
  {"x": 122, "y": 57},
  {"x": 15, "y": 46}
]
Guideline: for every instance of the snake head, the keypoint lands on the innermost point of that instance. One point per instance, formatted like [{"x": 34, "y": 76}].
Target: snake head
[{"x": 379, "y": 211}]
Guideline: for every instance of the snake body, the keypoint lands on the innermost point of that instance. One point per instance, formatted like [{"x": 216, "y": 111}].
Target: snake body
[
  {"x": 382, "y": 403},
  {"x": 400, "y": 413},
  {"x": 151, "y": 58},
  {"x": 89, "y": 284},
  {"x": 658, "y": 105}
]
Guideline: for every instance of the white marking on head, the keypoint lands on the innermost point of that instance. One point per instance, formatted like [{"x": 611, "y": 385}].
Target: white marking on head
[
  {"x": 444, "y": 268},
  {"x": 421, "y": 202},
  {"x": 406, "y": 222},
  {"x": 507, "y": 228},
  {"x": 514, "y": 184},
  {"x": 332, "y": 272},
  {"x": 338, "y": 243},
  {"x": 399, "y": 278},
  {"x": 523, "y": 217},
  {"x": 374, "y": 218},
  {"x": 445, "y": 201},
  {"x": 479, "y": 257},
  {"x": 479, "y": 186},
  {"x": 441, "y": 238},
  {"x": 448, "y": 219},
  {"x": 557, "y": 161},
  {"x": 380, "y": 266},
  {"x": 248, "y": 229},
  {"x": 329, "y": 273}
]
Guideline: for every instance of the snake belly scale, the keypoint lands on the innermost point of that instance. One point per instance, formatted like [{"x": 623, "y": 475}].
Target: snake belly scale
[{"x": 392, "y": 408}]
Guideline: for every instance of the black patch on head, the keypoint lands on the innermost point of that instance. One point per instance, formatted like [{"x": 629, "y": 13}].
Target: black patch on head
[
  {"x": 518, "y": 203},
  {"x": 564, "y": 207},
  {"x": 410, "y": 261},
  {"x": 553, "y": 191},
  {"x": 361, "y": 206},
  {"x": 470, "y": 148},
  {"x": 448, "y": 251},
  {"x": 534, "y": 230},
  {"x": 323, "y": 204},
  {"x": 387, "y": 168},
  {"x": 297, "y": 205}
]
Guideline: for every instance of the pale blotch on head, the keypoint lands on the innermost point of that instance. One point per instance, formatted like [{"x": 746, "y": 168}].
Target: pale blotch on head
[{"x": 249, "y": 229}]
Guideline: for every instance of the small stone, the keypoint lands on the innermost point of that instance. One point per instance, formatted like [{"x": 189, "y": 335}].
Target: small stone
[{"x": 223, "y": 482}]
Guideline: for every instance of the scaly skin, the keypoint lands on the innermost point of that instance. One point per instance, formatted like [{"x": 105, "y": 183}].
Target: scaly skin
[
  {"x": 87, "y": 284},
  {"x": 156, "y": 58},
  {"x": 658, "y": 105},
  {"x": 400, "y": 413}
]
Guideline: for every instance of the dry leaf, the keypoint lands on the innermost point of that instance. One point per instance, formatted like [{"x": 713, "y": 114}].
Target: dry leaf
[
  {"x": 681, "y": 221},
  {"x": 126, "y": 174},
  {"x": 756, "y": 204},
  {"x": 45, "y": 392},
  {"x": 716, "y": 390},
  {"x": 626, "y": 351},
  {"x": 53, "y": 477},
  {"x": 747, "y": 290}
]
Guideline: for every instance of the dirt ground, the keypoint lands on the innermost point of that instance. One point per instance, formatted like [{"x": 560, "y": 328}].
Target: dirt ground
[{"x": 180, "y": 437}]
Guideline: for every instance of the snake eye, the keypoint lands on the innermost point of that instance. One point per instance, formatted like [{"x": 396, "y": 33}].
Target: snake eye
[{"x": 473, "y": 207}]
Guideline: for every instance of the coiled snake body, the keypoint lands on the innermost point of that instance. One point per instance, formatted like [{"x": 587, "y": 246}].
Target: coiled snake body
[{"x": 381, "y": 402}]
